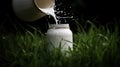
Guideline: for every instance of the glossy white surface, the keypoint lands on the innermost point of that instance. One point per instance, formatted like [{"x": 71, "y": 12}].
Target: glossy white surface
[{"x": 60, "y": 34}]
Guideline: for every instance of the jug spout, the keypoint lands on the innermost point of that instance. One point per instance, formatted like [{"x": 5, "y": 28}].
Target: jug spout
[{"x": 29, "y": 10}]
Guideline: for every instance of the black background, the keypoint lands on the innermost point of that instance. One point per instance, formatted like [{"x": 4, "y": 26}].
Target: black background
[{"x": 100, "y": 12}]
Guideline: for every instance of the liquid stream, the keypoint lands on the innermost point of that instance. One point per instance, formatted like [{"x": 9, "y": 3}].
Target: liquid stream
[{"x": 50, "y": 11}]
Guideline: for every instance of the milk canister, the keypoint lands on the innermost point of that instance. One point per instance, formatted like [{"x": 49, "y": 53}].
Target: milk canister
[{"x": 59, "y": 35}]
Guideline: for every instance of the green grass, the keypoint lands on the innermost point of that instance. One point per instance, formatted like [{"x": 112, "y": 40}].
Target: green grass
[{"x": 96, "y": 48}]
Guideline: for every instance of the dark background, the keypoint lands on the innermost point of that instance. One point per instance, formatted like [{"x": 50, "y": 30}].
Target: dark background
[{"x": 100, "y": 12}]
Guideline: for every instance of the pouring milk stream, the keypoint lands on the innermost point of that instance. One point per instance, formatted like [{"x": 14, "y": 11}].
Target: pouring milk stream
[{"x": 50, "y": 11}]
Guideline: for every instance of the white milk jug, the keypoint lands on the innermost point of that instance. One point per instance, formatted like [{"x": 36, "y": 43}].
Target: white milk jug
[
  {"x": 29, "y": 10},
  {"x": 59, "y": 35}
]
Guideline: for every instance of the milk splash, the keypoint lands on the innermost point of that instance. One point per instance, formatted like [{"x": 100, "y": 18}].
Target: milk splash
[{"x": 50, "y": 11}]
